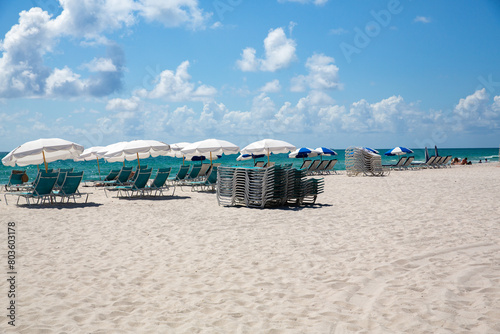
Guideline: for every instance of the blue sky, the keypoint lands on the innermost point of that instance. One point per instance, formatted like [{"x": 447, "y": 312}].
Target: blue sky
[{"x": 312, "y": 72}]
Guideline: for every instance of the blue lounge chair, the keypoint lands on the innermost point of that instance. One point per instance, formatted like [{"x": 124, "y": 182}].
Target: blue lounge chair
[
  {"x": 121, "y": 178},
  {"x": 42, "y": 189},
  {"x": 16, "y": 180}
]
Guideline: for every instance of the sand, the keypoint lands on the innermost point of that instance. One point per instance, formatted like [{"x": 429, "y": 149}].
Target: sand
[{"x": 414, "y": 252}]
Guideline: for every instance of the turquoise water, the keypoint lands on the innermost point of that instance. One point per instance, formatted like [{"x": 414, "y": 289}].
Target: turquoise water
[{"x": 90, "y": 167}]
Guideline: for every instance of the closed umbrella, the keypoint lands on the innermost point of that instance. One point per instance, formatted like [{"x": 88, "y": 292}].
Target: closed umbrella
[
  {"x": 42, "y": 151},
  {"x": 268, "y": 146},
  {"x": 426, "y": 154}
]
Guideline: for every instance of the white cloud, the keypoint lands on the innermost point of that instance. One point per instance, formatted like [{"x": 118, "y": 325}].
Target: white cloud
[
  {"x": 316, "y": 2},
  {"x": 177, "y": 87},
  {"x": 271, "y": 87},
  {"x": 279, "y": 53},
  {"x": 22, "y": 69},
  {"x": 101, "y": 65},
  {"x": 323, "y": 75},
  {"x": 174, "y": 13},
  {"x": 475, "y": 111},
  {"x": 422, "y": 19},
  {"x": 130, "y": 104}
]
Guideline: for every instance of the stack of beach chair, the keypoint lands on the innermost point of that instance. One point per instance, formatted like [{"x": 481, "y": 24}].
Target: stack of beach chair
[
  {"x": 266, "y": 187},
  {"x": 359, "y": 161}
]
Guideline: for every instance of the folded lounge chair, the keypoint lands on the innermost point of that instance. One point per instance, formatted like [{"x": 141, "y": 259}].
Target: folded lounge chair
[{"x": 42, "y": 189}]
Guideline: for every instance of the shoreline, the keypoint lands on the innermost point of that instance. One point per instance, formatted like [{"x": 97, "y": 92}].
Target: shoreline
[{"x": 416, "y": 251}]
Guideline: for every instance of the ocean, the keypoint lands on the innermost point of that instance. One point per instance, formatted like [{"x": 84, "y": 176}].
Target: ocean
[{"x": 91, "y": 172}]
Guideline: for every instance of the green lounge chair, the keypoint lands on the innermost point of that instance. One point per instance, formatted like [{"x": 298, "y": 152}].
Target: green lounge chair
[
  {"x": 42, "y": 189},
  {"x": 208, "y": 184},
  {"x": 159, "y": 182},
  {"x": 181, "y": 174},
  {"x": 138, "y": 186},
  {"x": 69, "y": 188},
  {"x": 121, "y": 178},
  {"x": 16, "y": 180}
]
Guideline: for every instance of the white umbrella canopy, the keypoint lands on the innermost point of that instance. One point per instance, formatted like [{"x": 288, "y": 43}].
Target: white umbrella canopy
[
  {"x": 175, "y": 149},
  {"x": 210, "y": 146},
  {"x": 42, "y": 150},
  {"x": 268, "y": 146},
  {"x": 91, "y": 154},
  {"x": 135, "y": 149}
]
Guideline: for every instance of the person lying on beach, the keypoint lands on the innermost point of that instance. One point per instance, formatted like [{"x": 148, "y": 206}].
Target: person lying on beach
[
  {"x": 465, "y": 162},
  {"x": 455, "y": 161}
]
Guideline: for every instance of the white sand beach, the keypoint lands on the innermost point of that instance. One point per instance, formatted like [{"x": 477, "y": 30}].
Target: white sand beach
[{"x": 414, "y": 252}]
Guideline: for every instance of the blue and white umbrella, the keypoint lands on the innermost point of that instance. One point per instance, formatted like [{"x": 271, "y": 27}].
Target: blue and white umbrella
[
  {"x": 398, "y": 151},
  {"x": 325, "y": 151},
  {"x": 371, "y": 150},
  {"x": 303, "y": 152},
  {"x": 249, "y": 156}
]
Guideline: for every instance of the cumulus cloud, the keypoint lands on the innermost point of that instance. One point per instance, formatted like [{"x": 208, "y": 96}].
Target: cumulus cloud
[
  {"x": 130, "y": 104},
  {"x": 279, "y": 53},
  {"x": 271, "y": 87},
  {"x": 174, "y": 13},
  {"x": 23, "y": 72},
  {"x": 323, "y": 75},
  {"x": 177, "y": 87},
  {"x": 475, "y": 111}
]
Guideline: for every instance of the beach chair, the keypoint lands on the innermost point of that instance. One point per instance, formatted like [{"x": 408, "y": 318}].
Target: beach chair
[
  {"x": 193, "y": 174},
  {"x": 16, "y": 180},
  {"x": 207, "y": 185},
  {"x": 259, "y": 164},
  {"x": 62, "y": 176},
  {"x": 121, "y": 178},
  {"x": 322, "y": 166},
  {"x": 429, "y": 163},
  {"x": 112, "y": 175},
  {"x": 181, "y": 174},
  {"x": 160, "y": 182},
  {"x": 204, "y": 170},
  {"x": 69, "y": 188},
  {"x": 408, "y": 162},
  {"x": 306, "y": 164},
  {"x": 42, "y": 189},
  {"x": 446, "y": 161},
  {"x": 138, "y": 186},
  {"x": 397, "y": 165},
  {"x": 269, "y": 164},
  {"x": 330, "y": 167},
  {"x": 312, "y": 168}
]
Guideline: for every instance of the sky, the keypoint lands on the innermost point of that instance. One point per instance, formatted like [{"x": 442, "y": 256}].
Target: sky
[{"x": 334, "y": 73}]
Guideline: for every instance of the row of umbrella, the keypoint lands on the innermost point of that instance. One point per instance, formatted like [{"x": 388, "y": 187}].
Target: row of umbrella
[{"x": 52, "y": 149}]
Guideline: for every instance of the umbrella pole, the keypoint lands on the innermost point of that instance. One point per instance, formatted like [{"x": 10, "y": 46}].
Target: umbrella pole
[
  {"x": 138, "y": 161},
  {"x": 99, "y": 169},
  {"x": 183, "y": 158},
  {"x": 44, "y": 161},
  {"x": 210, "y": 158},
  {"x": 123, "y": 162},
  {"x": 268, "y": 157}
]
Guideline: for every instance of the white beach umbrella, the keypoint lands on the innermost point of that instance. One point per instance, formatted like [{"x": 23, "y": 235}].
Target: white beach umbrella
[
  {"x": 42, "y": 151},
  {"x": 175, "y": 150},
  {"x": 268, "y": 146},
  {"x": 136, "y": 149},
  {"x": 91, "y": 154},
  {"x": 211, "y": 147}
]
